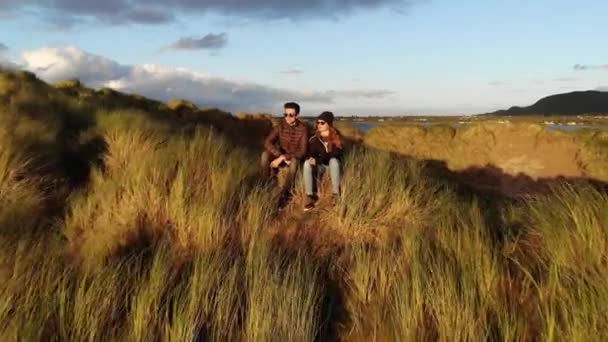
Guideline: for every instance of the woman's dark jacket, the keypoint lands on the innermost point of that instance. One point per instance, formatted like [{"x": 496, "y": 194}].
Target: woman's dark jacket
[{"x": 317, "y": 150}]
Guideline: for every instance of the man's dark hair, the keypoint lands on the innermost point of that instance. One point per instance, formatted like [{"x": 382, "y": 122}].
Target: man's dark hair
[{"x": 293, "y": 105}]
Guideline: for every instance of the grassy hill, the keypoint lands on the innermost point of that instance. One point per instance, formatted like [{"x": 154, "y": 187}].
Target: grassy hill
[
  {"x": 129, "y": 219},
  {"x": 574, "y": 103}
]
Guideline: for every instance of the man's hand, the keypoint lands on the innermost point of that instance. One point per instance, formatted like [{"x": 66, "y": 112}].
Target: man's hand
[
  {"x": 312, "y": 161},
  {"x": 277, "y": 162}
]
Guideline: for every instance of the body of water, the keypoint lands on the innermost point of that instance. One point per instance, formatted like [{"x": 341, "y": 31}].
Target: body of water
[
  {"x": 571, "y": 128},
  {"x": 366, "y": 126}
]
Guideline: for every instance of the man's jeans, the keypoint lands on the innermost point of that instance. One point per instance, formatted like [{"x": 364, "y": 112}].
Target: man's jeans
[
  {"x": 267, "y": 171},
  {"x": 310, "y": 171}
]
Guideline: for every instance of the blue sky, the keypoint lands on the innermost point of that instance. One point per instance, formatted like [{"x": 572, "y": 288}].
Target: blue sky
[{"x": 352, "y": 57}]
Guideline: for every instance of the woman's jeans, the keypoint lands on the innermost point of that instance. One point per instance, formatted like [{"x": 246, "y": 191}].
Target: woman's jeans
[{"x": 310, "y": 171}]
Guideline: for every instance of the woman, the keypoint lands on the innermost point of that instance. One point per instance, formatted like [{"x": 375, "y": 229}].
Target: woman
[{"x": 324, "y": 152}]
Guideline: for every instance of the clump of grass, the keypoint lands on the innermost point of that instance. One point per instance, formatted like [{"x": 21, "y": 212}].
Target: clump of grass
[
  {"x": 178, "y": 104},
  {"x": 273, "y": 279},
  {"x": 95, "y": 304},
  {"x": 32, "y": 271},
  {"x": 22, "y": 201},
  {"x": 210, "y": 305},
  {"x": 381, "y": 191},
  {"x": 595, "y": 153},
  {"x": 183, "y": 188},
  {"x": 438, "y": 278},
  {"x": 464, "y": 273},
  {"x": 573, "y": 227}
]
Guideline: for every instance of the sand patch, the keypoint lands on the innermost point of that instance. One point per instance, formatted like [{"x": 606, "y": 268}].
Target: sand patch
[{"x": 502, "y": 156}]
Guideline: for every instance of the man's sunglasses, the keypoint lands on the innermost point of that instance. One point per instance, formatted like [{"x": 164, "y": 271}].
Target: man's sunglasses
[
  {"x": 289, "y": 115},
  {"x": 321, "y": 123}
]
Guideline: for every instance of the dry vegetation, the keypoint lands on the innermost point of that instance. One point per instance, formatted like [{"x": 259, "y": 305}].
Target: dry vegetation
[
  {"x": 127, "y": 219},
  {"x": 490, "y": 153}
]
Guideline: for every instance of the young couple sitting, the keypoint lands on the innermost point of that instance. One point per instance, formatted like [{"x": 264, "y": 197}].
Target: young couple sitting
[{"x": 289, "y": 145}]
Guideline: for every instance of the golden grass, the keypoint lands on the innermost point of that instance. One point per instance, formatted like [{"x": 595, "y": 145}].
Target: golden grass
[{"x": 173, "y": 237}]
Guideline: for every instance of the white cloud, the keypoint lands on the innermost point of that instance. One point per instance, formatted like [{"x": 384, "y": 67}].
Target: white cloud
[
  {"x": 60, "y": 63},
  {"x": 165, "y": 83}
]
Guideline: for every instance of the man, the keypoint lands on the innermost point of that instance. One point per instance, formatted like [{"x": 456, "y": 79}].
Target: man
[{"x": 285, "y": 147}]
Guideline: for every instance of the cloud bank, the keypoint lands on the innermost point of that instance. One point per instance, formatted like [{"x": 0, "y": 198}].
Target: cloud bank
[
  {"x": 164, "y": 83},
  {"x": 163, "y": 11}
]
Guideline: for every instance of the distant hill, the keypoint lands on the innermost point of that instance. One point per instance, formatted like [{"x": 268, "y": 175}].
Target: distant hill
[{"x": 575, "y": 103}]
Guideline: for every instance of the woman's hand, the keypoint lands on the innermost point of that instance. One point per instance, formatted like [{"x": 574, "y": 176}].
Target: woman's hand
[{"x": 312, "y": 161}]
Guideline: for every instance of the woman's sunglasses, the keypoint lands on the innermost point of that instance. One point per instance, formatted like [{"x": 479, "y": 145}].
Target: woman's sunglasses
[
  {"x": 289, "y": 115},
  {"x": 321, "y": 123}
]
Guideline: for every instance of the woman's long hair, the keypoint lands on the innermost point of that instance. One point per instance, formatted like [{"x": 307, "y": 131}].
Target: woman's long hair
[{"x": 335, "y": 139}]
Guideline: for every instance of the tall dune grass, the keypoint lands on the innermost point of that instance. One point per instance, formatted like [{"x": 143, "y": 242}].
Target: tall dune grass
[
  {"x": 154, "y": 184},
  {"x": 173, "y": 237},
  {"x": 573, "y": 228}
]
